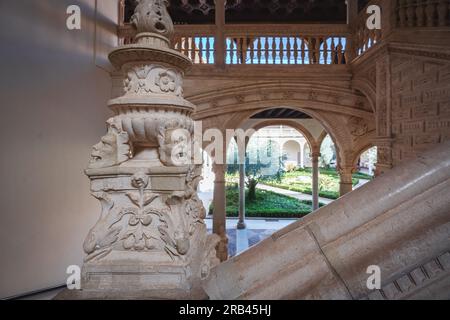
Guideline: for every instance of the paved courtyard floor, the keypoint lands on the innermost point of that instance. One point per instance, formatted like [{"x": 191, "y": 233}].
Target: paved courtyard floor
[{"x": 256, "y": 231}]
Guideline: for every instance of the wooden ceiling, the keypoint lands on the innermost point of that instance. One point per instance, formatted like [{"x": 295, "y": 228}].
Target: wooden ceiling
[
  {"x": 256, "y": 11},
  {"x": 281, "y": 113}
]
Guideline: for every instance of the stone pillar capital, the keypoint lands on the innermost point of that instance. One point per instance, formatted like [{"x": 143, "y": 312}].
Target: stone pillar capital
[
  {"x": 316, "y": 155},
  {"x": 219, "y": 170},
  {"x": 349, "y": 170}
]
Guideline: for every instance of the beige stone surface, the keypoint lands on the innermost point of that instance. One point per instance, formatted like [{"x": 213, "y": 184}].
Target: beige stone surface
[{"x": 399, "y": 222}]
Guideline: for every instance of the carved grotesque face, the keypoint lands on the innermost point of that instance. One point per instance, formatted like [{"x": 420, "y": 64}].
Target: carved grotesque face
[
  {"x": 104, "y": 153},
  {"x": 152, "y": 16},
  {"x": 176, "y": 149}
]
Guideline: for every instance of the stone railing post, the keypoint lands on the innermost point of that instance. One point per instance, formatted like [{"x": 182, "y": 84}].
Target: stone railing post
[
  {"x": 219, "y": 44},
  {"x": 150, "y": 240},
  {"x": 219, "y": 213}
]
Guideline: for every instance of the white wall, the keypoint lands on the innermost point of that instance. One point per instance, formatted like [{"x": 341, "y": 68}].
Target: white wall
[{"x": 53, "y": 94}]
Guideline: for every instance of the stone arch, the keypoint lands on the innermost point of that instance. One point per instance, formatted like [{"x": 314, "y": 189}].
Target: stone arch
[
  {"x": 289, "y": 123},
  {"x": 322, "y": 137},
  {"x": 331, "y": 106},
  {"x": 368, "y": 90},
  {"x": 298, "y": 149},
  {"x": 360, "y": 152}
]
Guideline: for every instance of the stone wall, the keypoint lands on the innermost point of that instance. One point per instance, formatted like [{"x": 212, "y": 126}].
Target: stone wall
[
  {"x": 420, "y": 105},
  {"x": 53, "y": 100}
]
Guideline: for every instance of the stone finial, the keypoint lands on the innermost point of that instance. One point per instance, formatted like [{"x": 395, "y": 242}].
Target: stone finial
[{"x": 151, "y": 16}]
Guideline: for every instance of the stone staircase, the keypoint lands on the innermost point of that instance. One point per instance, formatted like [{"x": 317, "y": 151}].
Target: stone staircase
[{"x": 400, "y": 222}]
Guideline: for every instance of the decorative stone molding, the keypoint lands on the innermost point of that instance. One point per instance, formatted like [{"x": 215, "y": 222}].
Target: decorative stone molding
[
  {"x": 410, "y": 282},
  {"x": 143, "y": 79},
  {"x": 358, "y": 127},
  {"x": 327, "y": 98}
]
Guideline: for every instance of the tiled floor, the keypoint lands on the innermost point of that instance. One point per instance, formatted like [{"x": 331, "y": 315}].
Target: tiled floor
[{"x": 256, "y": 231}]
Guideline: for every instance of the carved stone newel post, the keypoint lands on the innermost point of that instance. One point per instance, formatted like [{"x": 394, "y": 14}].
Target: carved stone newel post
[{"x": 150, "y": 240}]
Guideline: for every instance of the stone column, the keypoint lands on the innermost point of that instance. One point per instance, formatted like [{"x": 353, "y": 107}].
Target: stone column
[
  {"x": 219, "y": 213},
  {"x": 150, "y": 240},
  {"x": 352, "y": 12},
  {"x": 241, "y": 223},
  {"x": 315, "y": 179},
  {"x": 346, "y": 183},
  {"x": 352, "y": 21},
  {"x": 302, "y": 155},
  {"x": 219, "y": 44},
  {"x": 384, "y": 155}
]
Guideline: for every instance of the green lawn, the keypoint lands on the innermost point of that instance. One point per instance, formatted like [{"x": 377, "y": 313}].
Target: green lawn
[
  {"x": 267, "y": 205},
  {"x": 301, "y": 181}
]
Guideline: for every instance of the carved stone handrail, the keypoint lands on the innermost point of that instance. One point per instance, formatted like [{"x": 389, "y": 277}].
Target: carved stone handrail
[{"x": 399, "y": 222}]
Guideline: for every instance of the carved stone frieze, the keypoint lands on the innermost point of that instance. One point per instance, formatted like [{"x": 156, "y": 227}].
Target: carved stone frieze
[{"x": 144, "y": 79}]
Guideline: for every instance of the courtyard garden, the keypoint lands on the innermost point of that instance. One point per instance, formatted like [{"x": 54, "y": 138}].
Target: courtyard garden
[
  {"x": 266, "y": 205},
  {"x": 300, "y": 180},
  {"x": 266, "y": 165}
]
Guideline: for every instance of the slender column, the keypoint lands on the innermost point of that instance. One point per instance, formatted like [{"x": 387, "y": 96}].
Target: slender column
[
  {"x": 241, "y": 223},
  {"x": 219, "y": 214},
  {"x": 352, "y": 22},
  {"x": 346, "y": 183},
  {"x": 121, "y": 12},
  {"x": 219, "y": 43},
  {"x": 388, "y": 17},
  {"x": 315, "y": 177},
  {"x": 352, "y": 12},
  {"x": 302, "y": 156}
]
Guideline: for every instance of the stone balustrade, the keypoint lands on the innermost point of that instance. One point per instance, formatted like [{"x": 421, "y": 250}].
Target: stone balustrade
[
  {"x": 423, "y": 13},
  {"x": 270, "y": 45},
  {"x": 364, "y": 38}
]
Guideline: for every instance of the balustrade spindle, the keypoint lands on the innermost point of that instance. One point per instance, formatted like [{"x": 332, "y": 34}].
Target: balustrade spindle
[
  {"x": 325, "y": 50},
  {"x": 340, "y": 54},
  {"x": 303, "y": 50},
  {"x": 200, "y": 50},
  {"x": 208, "y": 50},
  {"x": 402, "y": 13},
  {"x": 288, "y": 49},
  {"x": 420, "y": 14},
  {"x": 429, "y": 12},
  {"x": 191, "y": 48},
  {"x": 266, "y": 50},
  {"x": 443, "y": 8},
  {"x": 252, "y": 50},
  {"x": 410, "y": 13},
  {"x": 295, "y": 50},
  {"x": 333, "y": 51},
  {"x": 317, "y": 50}
]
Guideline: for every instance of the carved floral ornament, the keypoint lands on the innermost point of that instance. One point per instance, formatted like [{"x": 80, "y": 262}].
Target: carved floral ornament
[
  {"x": 145, "y": 79},
  {"x": 358, "y": 127},
  {"x": 149, "y": 225}
]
